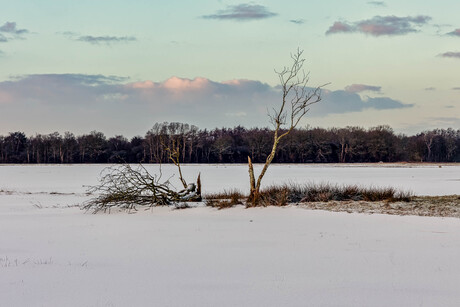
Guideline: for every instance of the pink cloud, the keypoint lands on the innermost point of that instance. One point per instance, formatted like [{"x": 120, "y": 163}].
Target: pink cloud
[
  {"x": 456, "y": 32},
  {"x": 142, "y": 85},
  {"x": 174, "y": 84},
  {"x": 381, "y": 25},
  {"x": 182, "y": 84},
  {"x": 376, "y": 29},
  {"x": 234, "y": 82},
  {"x": 356, "y": 88},
  {"x": 86, "y": 101},
  {"x": 5, "y": 97},
  {"x": 339, "y": 27}
]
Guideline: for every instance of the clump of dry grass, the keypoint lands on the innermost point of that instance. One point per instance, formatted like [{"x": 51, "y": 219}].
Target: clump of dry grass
[
  {"x": 225, "y": 199},
  {"x": 295, "y": 193},
  {"x": 282, "y": 195}
]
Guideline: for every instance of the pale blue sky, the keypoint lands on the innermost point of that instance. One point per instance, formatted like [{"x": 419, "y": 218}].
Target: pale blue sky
[{"x": 120, "y": 66}]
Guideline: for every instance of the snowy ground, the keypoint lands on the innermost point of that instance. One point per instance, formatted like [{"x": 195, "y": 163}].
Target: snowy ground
[
  {"x": 419, "y": 178},
  {"x": 52, "y": 254}
]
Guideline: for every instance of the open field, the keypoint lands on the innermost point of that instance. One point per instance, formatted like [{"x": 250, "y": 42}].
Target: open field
[
  {"x": 53, "y": 254},
  {"x": 421, "y": 179}
]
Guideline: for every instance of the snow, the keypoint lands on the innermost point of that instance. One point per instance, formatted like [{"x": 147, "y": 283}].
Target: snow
[
  {"x": 419, "y": 178},
  {"x": 53, "y": 254}
]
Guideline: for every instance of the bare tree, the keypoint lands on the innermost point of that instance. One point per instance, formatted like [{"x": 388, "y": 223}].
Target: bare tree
[
  {"x": 296, "y": 99},
  {"x": 174, "y": 155},
  {"x": 428, "y": 138}
]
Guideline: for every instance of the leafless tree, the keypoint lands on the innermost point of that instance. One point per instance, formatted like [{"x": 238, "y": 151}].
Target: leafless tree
[
  {"x": 297, "y": 97},
  {"x": 428, "y": 138},
  {"x": 174, "y": 155}
]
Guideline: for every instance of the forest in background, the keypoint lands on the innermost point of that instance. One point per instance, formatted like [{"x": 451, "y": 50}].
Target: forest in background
[{"x": 234, "y": 145}]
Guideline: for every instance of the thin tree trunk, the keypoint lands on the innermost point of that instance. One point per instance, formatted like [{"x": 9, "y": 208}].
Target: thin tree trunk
[{"x": 252, "y": 180}]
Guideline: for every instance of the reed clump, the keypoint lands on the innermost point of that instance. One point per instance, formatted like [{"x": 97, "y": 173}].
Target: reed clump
[{"x": 282, "y": 195}]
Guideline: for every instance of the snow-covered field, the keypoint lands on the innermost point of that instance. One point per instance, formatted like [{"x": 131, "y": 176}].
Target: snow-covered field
[{"x": 53, "y": 254}]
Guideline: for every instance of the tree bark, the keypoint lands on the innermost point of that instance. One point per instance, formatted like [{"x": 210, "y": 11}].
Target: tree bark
[{"x": 252, "y": 180}]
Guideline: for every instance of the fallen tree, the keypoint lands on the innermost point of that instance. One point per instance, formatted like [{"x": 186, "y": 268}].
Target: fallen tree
[{"x": 127, "y": 188}]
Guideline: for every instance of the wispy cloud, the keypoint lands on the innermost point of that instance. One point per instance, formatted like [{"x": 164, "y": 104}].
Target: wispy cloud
[
  {"x": 297, "y": 21},
  {"x": 450, "y": 55},
  {"x": 10, "y": 27},
  {"x": 456, "y": 88},
  {"x": 242, "y": 12},
  {"x": 456, "y": 32},
  {"x": 431, "y": 88},
  {"x": 106, "y": 39},
  {"x": 445, "y": 121},
  {"x": 381, "y": 25},
  {"x": 344, "y": 102},
  {"x": 377, "y": 3},
  {"x": 9, "y": 30},
  {"x": 357, "y": 88},
  {"x": 82, "y": 79},
  {"x": 96, "y": 40}
]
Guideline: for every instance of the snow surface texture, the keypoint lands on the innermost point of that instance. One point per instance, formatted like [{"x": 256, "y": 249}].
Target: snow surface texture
[{"x": 52, "y": 254}]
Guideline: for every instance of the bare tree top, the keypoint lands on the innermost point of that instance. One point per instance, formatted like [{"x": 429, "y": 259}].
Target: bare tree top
[{"x": 297, "y": 96}]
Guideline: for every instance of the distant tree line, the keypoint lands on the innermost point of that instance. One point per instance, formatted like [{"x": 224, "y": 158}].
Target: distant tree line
[{"x": 234, "y": 145}]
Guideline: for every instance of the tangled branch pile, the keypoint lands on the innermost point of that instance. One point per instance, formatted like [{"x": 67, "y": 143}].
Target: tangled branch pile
[{"x": 126, "y": 187}]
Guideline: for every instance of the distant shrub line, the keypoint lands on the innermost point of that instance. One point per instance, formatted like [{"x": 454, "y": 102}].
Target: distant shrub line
[{"x": 234, "y": 145}]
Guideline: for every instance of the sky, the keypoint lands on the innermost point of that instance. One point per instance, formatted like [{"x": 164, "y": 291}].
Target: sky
[{"x": 120, "y": 66}]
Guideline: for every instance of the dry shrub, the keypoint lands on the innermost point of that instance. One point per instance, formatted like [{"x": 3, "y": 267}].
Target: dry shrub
[
  {"x": 275, "y": 196},
  {"x": 294, "y": 193},
  {"x": 330, "y": 192},
  {"x": 225, "y": 199}
]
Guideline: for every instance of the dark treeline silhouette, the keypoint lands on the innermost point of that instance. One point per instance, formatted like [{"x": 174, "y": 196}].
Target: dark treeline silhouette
[{"x": 225, "y": 145}]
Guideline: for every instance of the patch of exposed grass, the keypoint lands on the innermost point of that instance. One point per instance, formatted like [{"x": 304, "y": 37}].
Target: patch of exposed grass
[
  {"x": 436, "y": 205},
  {"x": 295, "y": 193},
  {"x": 225, "y": 199},
  {"x": 282, "y": 195},
  {"x": 441, "y": 206}
]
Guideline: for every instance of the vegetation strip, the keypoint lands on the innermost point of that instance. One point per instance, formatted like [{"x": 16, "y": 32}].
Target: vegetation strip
[
  {"x": 393, "y": 203},
  {"x": 440, "y": 206},
  {"x": 234, "y": 145}
]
